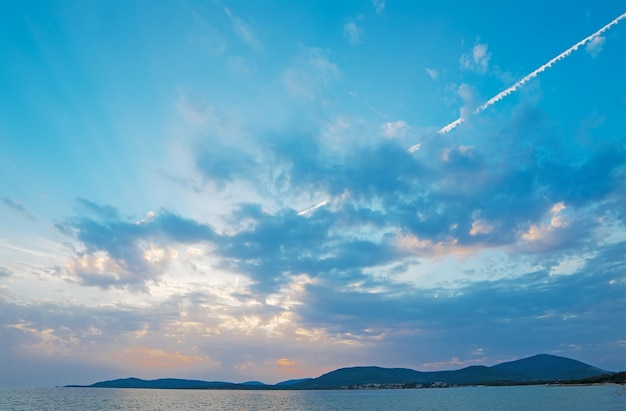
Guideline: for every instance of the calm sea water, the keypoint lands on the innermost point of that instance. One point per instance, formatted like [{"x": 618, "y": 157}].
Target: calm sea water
[{"x": 598, "y": 398}]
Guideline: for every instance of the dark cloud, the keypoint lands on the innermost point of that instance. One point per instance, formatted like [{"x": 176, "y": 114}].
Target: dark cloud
[
  {"x": 121, "y": 240},
  {"x": 273, "y": 247},
  {"x": 594, "y": 179},
  {"x": 385, "y": 170}
]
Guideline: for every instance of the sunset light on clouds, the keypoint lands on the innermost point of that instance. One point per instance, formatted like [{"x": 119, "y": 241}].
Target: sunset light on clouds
[{"x": 242, "y": 190}]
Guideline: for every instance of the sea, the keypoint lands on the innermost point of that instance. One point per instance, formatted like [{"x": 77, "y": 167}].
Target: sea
[{"x": 536, "y": 398}]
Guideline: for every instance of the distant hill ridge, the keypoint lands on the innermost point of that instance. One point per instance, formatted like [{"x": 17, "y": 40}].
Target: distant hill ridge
[{"x": 535, "y": 369}]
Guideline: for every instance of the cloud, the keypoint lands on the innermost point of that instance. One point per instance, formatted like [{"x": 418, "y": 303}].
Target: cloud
[
  {"x": 146, "y": 357},
  {"x": 501, "y": 311},
  {"x": 379, "y": 5},
  {"x": 285, "y": 362},
  {"x": 395, "y": 129},
  {"x": 92, "y": 336},
  {"x": 374, "y": 247},
  {"x": 188, "y": 333},
  {"x": 452, "y": 198},
  {"x": 432, "y": 73},
  {"x": 116, "y": 252},
  {"x": 15, "y": 206},
  {"x": 217, "y": 147},
  {"x": 507, "y": 235},
  {"x": 556, "y": 221},
  {"x": 106, "y": 212},
  {"x": 47, "y": 340},
  {"x": 470, "y": 101},
  {"x": 352, "y": 32},
  {"x": 480, "y": 226},
  {"x": 244, "y": 31},
  {"x": 222, "y": 164},
  {"x": 273, "y": 248},
  {"x": 195, "y": 109},
  {"x": 594, "y": 46},
  {"x": 453, "y": 363},
  {"x": 311, "y": 72},
  {"x": 477, "y": 60}
]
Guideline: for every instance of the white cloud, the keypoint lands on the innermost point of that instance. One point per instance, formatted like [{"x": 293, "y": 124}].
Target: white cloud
[
  {"x": 545, "y": 232},
  {"x": 477, "y": 60},
  {"x": 594, "y": 47},
  {"x": 468, "y": 95},
  {"x": 434, "y": 74},
  {"x": 480, "y": 226},
  {"x": 352, "y": 32},
  {"x": 394, "y": 129}
]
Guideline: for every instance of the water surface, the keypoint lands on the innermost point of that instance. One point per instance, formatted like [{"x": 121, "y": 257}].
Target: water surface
[{"x": 574, "y": 398}]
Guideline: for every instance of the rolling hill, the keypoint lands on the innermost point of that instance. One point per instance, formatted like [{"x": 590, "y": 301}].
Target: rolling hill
[
  {"x": 536, "y": 369},
  {"x": 539, "y": 368}
]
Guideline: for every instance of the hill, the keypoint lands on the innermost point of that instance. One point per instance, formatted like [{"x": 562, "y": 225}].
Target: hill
[
  {"x": 292, "y": 382},
  {"x": 549, "y": 367},
  {"x": 539, "y": 368},
  {"x": 536, "y": 369},
  {"x": 162, "y": 383}
]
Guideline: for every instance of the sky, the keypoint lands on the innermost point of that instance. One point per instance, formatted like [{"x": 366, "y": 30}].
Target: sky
[{"x": 270, "y": 190}]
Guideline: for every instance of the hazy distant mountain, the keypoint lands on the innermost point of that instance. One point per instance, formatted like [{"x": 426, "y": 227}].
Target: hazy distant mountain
[{"x": 538, "y": 368}]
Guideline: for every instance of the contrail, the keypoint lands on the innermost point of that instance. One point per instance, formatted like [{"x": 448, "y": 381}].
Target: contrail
[
  {"x": 308, "y": 210},
  {"x": 527, "y": 78}
]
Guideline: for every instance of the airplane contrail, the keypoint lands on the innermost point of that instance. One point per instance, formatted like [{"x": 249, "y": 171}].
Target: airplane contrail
[
  {"x": 308, "y": 210},
  {"x": 526, "y": 78}
]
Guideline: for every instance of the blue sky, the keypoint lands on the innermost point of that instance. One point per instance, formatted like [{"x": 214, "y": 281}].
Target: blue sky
[{"x": 224, "y": 190}]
